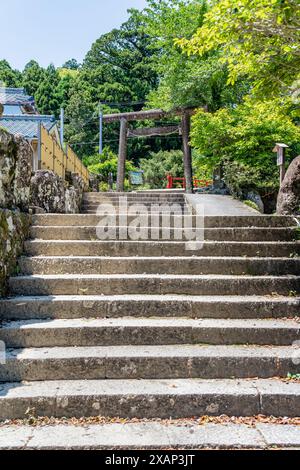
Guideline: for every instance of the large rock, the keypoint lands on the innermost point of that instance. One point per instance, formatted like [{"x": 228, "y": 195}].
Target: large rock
[
  {"x": 74, "y": 195},
  {"x": 8, "y": 158},
  {"x": 14, "y": 228},
  {"x": 23, "y": 173},
  {"x": 256, "y": 198},
  {"x": 48, "y": 191},
  {"x": 288, "y": 202},
  {"x": 15, "y": 171}
]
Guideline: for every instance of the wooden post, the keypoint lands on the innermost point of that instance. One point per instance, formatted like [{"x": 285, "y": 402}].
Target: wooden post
[
  {"x": 187, "y": 151},
  {"x": 280, "y": 149},
  {"x": 38, "y": 165},
  {"x": 122, "y": 155}
]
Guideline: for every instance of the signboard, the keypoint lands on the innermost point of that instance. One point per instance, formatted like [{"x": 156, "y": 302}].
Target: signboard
[
  {"x": 136, "y": 177},
  {"x": 280, "y": 156}
]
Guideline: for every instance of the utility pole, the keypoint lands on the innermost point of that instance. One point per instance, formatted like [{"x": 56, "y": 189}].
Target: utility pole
[
  {"x": 62, "y": 126},
  {"x": 100, "y": 129},
  {"x": 187, "y": 152}
]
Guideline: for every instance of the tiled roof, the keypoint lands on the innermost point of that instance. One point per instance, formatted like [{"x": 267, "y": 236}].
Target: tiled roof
[
  {"x": 26, "y": 125},
  {"x": 15, "y": 96}
]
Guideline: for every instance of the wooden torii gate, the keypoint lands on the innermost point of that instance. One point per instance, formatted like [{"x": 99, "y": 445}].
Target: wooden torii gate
[{"x": 156, "y": 114}]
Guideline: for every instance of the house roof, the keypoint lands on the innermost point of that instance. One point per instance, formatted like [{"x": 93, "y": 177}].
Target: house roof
[
  {"x": 26, "y": 125},
  {"x": 15, "y": 96}
]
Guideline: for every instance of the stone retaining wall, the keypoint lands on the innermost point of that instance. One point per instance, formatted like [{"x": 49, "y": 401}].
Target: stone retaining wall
[{"x": 20, "y": 191}]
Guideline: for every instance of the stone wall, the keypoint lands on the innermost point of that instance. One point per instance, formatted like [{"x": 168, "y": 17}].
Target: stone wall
[
  {"x": 14, "y": 229},
  {"x": 15, "y": 174},
  {"x": 20, "y": 192}
]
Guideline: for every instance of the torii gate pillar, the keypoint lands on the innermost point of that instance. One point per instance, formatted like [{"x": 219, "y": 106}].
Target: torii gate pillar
[
  {"x": 187, "y": 151},
  {"x": 122, "y": 155}
]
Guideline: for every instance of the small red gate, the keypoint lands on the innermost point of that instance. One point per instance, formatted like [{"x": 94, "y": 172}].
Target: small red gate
[{"x": 197, "y": 182}]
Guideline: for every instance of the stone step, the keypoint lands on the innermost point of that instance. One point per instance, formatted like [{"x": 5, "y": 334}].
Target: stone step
[
  {"x": 158, "y": 265},
  {"x": 210, "y": 221},
  {"x": 80, "y": 284},
  {"x": 148, "y": 399},
  {"x": 159, "y": 248},
  {"x": 149, "y": 362},
  {"x": 116, "y": 306},
  {"x": 133, "y": 214},
  {"x": 124, "y": 199},
  {"x": 117, "y": 203},
  {"x": 155, "y": 233},
  {"x": 150, "y": 435},
  {"x": 147, "y": 331}
]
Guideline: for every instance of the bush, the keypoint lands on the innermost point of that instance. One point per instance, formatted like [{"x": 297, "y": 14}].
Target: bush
[
  {"x": 252, "y": 205},
  {"x": 105, "y": 164},
  {"x": 158, "y": 165}
]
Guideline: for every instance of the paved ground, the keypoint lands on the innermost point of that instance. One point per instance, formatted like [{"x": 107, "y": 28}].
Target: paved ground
[
  {"x": 150, "y": 436},
  {"x": 221, "y": 205}
]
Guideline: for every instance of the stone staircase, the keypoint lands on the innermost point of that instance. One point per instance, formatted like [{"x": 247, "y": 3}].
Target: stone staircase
[{"x": 148, "y": 329}]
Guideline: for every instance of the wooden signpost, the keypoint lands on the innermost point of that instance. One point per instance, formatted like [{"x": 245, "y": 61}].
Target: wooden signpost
[
  {"x": 156, "y": 114},
  {"x": 280, "y": 149}
]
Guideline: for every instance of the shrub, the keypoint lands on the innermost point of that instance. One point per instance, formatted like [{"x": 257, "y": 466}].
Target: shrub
[{"x": 158, "y": 165}]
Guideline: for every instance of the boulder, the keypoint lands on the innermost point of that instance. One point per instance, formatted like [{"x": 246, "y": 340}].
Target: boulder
[
  {"x": 21, "y": 187},
  {"x": 15, "y": 171},
  {"x": 48, "y": 192},
  {"x": 8, "y": 158},
  {"x": 256, "y": 198},
  {"x": 74, "y": 195},
  {"x": 288, "y": 202}
]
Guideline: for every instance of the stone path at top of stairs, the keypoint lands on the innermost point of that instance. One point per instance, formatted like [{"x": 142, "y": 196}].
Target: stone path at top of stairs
[{"x": 149, "y": 329}]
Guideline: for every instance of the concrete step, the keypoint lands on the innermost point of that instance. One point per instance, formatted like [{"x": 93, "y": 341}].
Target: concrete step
[
  {"x": 210, "y": 221},
  {"x": 150, "y": 398},
  {"x": 92, "y": 284},
  {"x": 151, "y": 435},
  {"x": 158, "y": 233},
  {"x": 159, "y": 248},
  {"x": 147, "y": 331},
  {"x": 158, "y": 265},
  {"x": 117, "y": 306},
  {"x": 149, "y": 362}
]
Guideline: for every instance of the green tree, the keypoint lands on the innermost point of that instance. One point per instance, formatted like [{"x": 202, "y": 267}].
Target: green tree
[
  {"x": 242, "y": 139},
  {"x": 259, "y": 39},
  {"x": 32, "y": 77},
  {"x": 185, "y": 80},
  {"x": 46, "y": 97},
  {"x": 71, "y": 64},
  {"x": 8, "y": 76},
  {"x": 105, "y": 164},
  {"x": 117, "y": 70}
]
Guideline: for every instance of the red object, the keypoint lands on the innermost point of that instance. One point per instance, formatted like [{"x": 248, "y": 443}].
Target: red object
[{"x": 197, "y": 183}]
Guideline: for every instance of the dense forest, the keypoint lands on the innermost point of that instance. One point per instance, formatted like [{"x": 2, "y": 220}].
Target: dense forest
[{"x": 238, "y": 62}]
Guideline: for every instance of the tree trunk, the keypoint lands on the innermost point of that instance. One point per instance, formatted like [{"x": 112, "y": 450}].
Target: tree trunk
[{"x": 288, "y": 201}]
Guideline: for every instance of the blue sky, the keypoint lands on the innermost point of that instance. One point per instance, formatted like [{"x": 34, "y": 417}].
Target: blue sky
[{"x": 56, "y": 30}]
